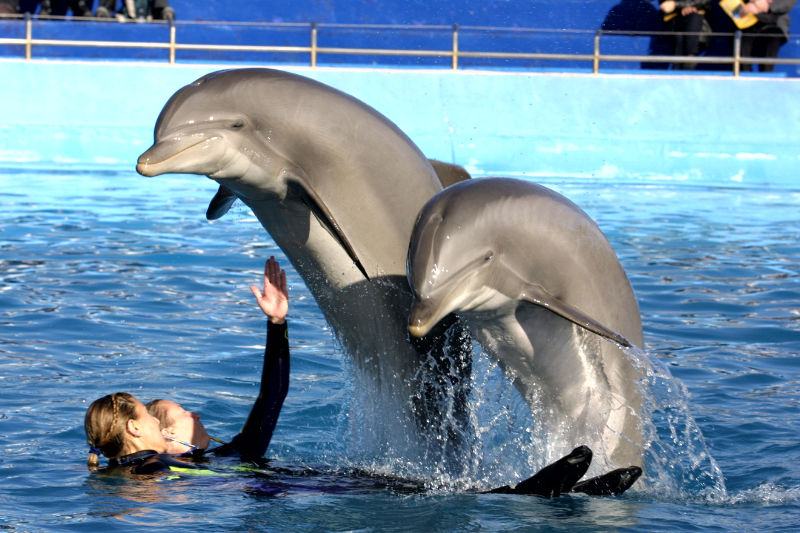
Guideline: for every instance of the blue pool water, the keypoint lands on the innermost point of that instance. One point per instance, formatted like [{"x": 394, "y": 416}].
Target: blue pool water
[{"x": 110, "y": 281}]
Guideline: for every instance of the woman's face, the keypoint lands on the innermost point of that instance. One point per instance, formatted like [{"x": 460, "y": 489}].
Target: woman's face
[
  {"x": 148, "y": 431},
  {"x": 185, "y": 426}
]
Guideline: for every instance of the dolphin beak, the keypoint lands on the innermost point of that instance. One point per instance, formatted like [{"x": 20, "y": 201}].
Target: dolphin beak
[
  {"x": 151, "y": 162},
  {"x": 165, "y": 156},
  {"x": 422, "y": 318}
]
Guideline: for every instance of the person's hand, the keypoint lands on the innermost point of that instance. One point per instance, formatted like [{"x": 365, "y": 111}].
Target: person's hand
[
  {"x": 755, "y": 7},
  {"x": 274, "y": 298},
  {"x": 689, "y": 10}
]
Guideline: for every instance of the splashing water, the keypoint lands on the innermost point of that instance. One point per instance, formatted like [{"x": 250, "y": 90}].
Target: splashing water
[
  {"x": 677, "y": 461},
  {"x": 503, "y": 443},
  {"x": 423, "y": 437}
]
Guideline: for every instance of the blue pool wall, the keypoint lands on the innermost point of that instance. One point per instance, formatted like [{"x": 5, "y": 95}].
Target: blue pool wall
[
  {"x": 68, "y": 117},
  {"x": 582, "y": 15}
]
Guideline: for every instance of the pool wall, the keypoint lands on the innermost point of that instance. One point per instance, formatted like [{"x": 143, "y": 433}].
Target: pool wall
[
  {"x": 234, "y": 18},
  {"x": 715, "y": 129}
]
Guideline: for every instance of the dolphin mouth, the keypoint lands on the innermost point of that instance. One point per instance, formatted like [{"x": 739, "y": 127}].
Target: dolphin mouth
[
  {"x": 420, "y": 320},
  {"x": 424, "y": 316},
  {"x": 159, "y": 158}
]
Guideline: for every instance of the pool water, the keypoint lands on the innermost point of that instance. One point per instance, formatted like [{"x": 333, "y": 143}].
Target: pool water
[{"x": 110, "y": 281}]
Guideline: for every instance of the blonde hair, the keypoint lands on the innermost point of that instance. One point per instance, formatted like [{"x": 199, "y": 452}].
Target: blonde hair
[
  {"x": 105, "y": 425},
  {"x": 157, "y": 409}
]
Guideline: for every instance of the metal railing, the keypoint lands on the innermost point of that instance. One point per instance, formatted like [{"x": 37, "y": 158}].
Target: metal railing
[{"x": 455, "y": 52}]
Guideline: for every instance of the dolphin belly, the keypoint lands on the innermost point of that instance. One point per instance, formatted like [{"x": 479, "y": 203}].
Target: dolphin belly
[{"x": 558, "y": 369}]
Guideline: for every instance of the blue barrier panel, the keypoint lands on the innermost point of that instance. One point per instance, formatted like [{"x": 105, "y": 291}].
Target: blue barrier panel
[
  {"x": 713, "y": 129},
  {"x": 578, "y": 14},
  {"x": 589, "y": 16}
]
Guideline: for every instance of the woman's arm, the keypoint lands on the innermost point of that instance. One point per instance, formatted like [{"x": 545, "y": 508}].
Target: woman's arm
[{"x": 255, "y": 436}]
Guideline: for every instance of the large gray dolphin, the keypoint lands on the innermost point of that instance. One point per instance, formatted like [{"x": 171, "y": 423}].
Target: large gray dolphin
[
  {"x": 338, "y": 187},
  {"x": 543, "y": 292}
]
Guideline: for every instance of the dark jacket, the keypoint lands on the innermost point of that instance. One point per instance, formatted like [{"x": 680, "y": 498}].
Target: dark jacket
[{"x": 778, "y": 15}]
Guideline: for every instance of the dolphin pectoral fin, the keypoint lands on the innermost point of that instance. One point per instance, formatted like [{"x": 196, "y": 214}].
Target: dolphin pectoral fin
[
  {"x": 327, "y": 219},
  {"x": 537, "y": 295},
  {"x": 448, "y": 173},
  {"x": 221, "y": 203}
]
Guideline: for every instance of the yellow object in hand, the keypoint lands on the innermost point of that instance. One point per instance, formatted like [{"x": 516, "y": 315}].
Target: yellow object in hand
[{"x": 733, "y": 8}]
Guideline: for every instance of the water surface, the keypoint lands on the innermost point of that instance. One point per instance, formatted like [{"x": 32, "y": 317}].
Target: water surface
[{"x": 110, "y": 281}]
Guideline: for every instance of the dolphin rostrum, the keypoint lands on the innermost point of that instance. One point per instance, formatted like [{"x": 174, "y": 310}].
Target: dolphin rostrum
[{"x": 543, "y": 293}]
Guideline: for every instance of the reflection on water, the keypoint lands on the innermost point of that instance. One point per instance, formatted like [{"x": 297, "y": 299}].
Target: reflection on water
[{"x": 113, "y": 282}]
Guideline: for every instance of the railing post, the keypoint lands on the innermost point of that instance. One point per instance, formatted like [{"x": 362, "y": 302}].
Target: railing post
[
  {"x": 596, "y": 53},
  {"x": 455, "y": 46},
  {"x": 172, "y": 40},
  {"x": 28, "y": 36},
  {"x": 737, "y": 53},
  {"x": 313, "y": 44}
]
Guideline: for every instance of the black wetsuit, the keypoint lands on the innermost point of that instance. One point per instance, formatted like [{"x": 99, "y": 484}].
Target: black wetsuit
[
  {"x": 252, "y": 441},
  {"x": 148, "y": 462}
]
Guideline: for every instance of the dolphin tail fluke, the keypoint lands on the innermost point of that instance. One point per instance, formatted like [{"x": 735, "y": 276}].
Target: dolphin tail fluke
[
  {"x": 557, "y": 478},
  {"x": 221, "y": 203},
  {"x": 562, "y": 476},
  {"x": 537, "y": 295},
  {"x": 613, "y": 483}
]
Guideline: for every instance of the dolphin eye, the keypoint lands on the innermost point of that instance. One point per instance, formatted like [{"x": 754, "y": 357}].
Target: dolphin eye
[
  {"x": 237, "y": 125},
  {"x": 488, "y": 257}
]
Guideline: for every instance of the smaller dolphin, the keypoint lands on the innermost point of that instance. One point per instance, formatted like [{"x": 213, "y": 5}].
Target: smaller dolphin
[{"x": 544, "y": 294}]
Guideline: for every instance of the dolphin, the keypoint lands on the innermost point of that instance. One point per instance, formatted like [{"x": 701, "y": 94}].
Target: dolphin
[
  {"x": 544, "y": 294},
  {"x": 338, "y": 187}
]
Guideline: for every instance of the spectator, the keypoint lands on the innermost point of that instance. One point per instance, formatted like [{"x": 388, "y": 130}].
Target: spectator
[
  {"x": 136, "y": 10},
  {"x": 58, "y": 8},
  {"x": 687, "y": 18},
  {"x": 9, "y": 7},
  {"x": 766, "y": 36}
]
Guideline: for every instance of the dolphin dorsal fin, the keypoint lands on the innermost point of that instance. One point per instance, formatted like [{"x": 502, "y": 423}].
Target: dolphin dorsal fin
[
  {"x": 448, "y": 173},
  {"x": 537, "y": 295},
  {"x": 221, "y": 203}
]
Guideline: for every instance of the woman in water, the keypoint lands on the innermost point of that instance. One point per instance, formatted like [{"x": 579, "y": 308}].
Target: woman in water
[{"x": 120, "y": 427}]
